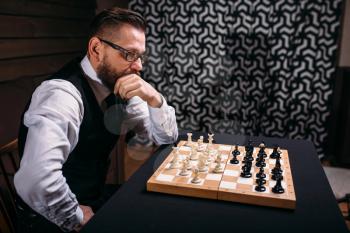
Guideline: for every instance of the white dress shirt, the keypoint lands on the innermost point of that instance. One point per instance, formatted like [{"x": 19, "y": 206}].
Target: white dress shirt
[{"x": 53, "y": 120}]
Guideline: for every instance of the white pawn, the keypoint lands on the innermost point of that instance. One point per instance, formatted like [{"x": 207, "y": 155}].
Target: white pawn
[
  {"x": 188, "y": 163},
  {"x": 196, "y": 179},
  {"x": 189, "y": 139},
  {"x": 218, "y": 168},
  {"x": 218, "y": 158},
  {"x": 184, "y": 171},
  {"x": 202, "y": 165}
]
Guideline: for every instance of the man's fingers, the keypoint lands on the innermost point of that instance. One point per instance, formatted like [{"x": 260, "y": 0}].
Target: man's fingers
[
  {"x": 133, "y": 93},
  {"x": 124, "y": 81},
  {"x": 125, "y": 89}
]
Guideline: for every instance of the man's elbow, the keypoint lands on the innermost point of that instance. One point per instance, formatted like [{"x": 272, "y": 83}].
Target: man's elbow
[
  {"x": 27, "y": 185},
  {"x": 22, "y": 185}
]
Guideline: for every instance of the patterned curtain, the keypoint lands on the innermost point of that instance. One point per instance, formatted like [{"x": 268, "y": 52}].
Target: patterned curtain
[{"x": 253, "y": 67}]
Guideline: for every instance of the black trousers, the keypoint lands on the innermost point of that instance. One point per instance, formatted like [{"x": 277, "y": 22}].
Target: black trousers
[{"x": 28, "y": 221}]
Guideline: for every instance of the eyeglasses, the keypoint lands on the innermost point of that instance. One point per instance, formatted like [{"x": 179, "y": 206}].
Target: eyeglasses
[{"x": 129, "y": 56}]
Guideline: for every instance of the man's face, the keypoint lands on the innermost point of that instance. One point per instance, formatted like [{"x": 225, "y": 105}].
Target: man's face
[{"x": 113, "y": 64}]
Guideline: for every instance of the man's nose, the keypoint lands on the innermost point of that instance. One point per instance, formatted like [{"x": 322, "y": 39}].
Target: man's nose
[{"x": 137, "y": 65}]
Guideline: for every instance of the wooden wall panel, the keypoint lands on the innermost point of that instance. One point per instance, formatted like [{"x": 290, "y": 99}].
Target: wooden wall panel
[
  {"x": 37, "y": 38},
  {"x": 33, "y": 27},
  {"x": 45, "y": 9},
  {"x": 33, "y": 66},
  {"x": 19, "y": 48}
]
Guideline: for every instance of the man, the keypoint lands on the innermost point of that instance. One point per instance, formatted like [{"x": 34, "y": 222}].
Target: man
[{"x": 64, "y": 141}]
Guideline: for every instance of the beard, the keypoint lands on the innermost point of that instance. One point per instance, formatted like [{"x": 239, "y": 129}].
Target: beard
[{"x": 109, "y": 76}]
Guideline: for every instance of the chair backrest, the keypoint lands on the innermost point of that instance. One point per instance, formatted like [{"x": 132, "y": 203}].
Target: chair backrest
[{"x": 9, "y": 161}]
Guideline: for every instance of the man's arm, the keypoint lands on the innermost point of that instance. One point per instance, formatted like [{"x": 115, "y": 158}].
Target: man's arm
[
  {"x": 53, "y": 120},
  {"x": 158, "y": 124},
  {"x": 147, "y": 110}
]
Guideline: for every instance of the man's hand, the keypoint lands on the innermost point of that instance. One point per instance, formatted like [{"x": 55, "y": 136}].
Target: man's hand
[
  {"x": 133, "y": 85},
  {"x": 88, "y": 213}
]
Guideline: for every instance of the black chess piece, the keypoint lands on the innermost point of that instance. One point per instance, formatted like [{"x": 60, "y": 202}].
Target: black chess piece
[
  {"x": 275, "y": 153},
  {"x": 246, "y": 170},
  {"x": 277, "y": 168},
  {"x": 261, "y": 173},
  {"x": 262, "y": 152},
  {"x": 260, "y": 161},
  {"x": 277, "y": 176},
  {"x": 236, "y": 151},
  {"x": 249, "y": 156},
  {"x": 278, "y": 187},
  {"x": 260, "y": 187},
  {"x": 260, "y": 181},
  {"x": 249, "y": 147},
  {"x": 234, "y": 160}
]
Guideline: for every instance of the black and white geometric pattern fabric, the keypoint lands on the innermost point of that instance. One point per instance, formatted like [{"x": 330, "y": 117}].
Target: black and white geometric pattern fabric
[{"x": 254, "y": 67}]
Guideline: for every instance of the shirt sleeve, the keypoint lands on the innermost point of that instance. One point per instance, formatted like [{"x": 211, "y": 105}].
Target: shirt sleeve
[
  {"x": 53, "y": 119},
  {"x": 158, "y": 124}
]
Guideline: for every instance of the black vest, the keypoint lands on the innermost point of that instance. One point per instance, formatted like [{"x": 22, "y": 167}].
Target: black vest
[{"x": 86, "y": 167}]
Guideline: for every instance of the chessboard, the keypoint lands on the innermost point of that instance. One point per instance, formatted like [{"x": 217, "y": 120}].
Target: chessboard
[{"x": 243, "y": 174}]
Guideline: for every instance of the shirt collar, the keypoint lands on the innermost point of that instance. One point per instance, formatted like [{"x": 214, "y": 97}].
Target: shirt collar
[
  {"x": 99, "y": 89},
  {"x": 89, "y": 70}
]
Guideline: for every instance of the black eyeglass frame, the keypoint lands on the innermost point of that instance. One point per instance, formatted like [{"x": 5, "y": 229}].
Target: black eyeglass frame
[{"x": 128, "y": 55}]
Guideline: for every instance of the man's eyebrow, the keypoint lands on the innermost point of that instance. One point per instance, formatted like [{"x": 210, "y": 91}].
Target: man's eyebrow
[{"x": 135, "y": 50}]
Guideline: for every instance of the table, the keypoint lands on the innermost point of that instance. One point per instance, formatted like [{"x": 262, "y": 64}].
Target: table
[{"x": 133, "y": 209}]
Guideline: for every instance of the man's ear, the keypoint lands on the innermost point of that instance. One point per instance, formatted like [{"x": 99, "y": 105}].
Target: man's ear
[{"x": 95, "y": 49}]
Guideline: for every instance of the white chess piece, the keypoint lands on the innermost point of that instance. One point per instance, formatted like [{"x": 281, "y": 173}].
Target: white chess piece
[
  {"x": 200, "y": 145},
  {"x": 175, "y": 162},
  {"x": 218, "y": 158},
  {"x": 210, "y": 138},
  {"x": 202, "y": 164},
  {"x": 188, "y": 163},
  {"x": 196, "y": 179},
  {"x": 218, "y": 168},
  {"x": 189, "y": 139},
  {"x": 184, "y": 170},
  {"x": 194, "y": 154}
]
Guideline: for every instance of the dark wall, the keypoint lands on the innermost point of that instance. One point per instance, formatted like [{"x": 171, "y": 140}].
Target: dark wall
[{"x": 36, "y": 39}]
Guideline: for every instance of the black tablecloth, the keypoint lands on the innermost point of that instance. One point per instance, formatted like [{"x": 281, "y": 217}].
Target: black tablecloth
[{"x": 133, "y": 209}]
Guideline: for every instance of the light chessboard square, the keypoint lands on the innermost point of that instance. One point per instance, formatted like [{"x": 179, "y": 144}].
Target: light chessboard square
[
  {"x": 228, "y": 185},
  {"x": 163, "y": 177}
]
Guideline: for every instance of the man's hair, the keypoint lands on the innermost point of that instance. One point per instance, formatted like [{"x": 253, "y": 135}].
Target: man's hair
[{"x": 115, "y": 17}]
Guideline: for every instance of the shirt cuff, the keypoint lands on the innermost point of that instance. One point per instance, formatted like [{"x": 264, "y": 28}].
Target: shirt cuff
[
  {"x": 80, "y": 215},
  {"x": 158, "y": 115}
]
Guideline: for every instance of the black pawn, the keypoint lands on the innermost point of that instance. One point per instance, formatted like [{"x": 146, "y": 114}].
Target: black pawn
[
  {"x": 260, "y": 187},
  {"x": 236, "y": 151},
  {"x": 275, "y": 153},
  {"x": 234, "y": 160},
  {"x": 246, "y": 170},
  {"x": 261, "y": 173},
  {"x": 278, "y": 187},
  {"x": 260, "y": 181}
]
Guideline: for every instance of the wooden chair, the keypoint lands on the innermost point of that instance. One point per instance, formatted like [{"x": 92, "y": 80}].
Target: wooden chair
[{"x": 9, "y": 161}]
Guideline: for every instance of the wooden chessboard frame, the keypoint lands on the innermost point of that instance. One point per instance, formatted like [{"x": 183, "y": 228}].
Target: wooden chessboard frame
[{"x": 286, "y": 200}]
